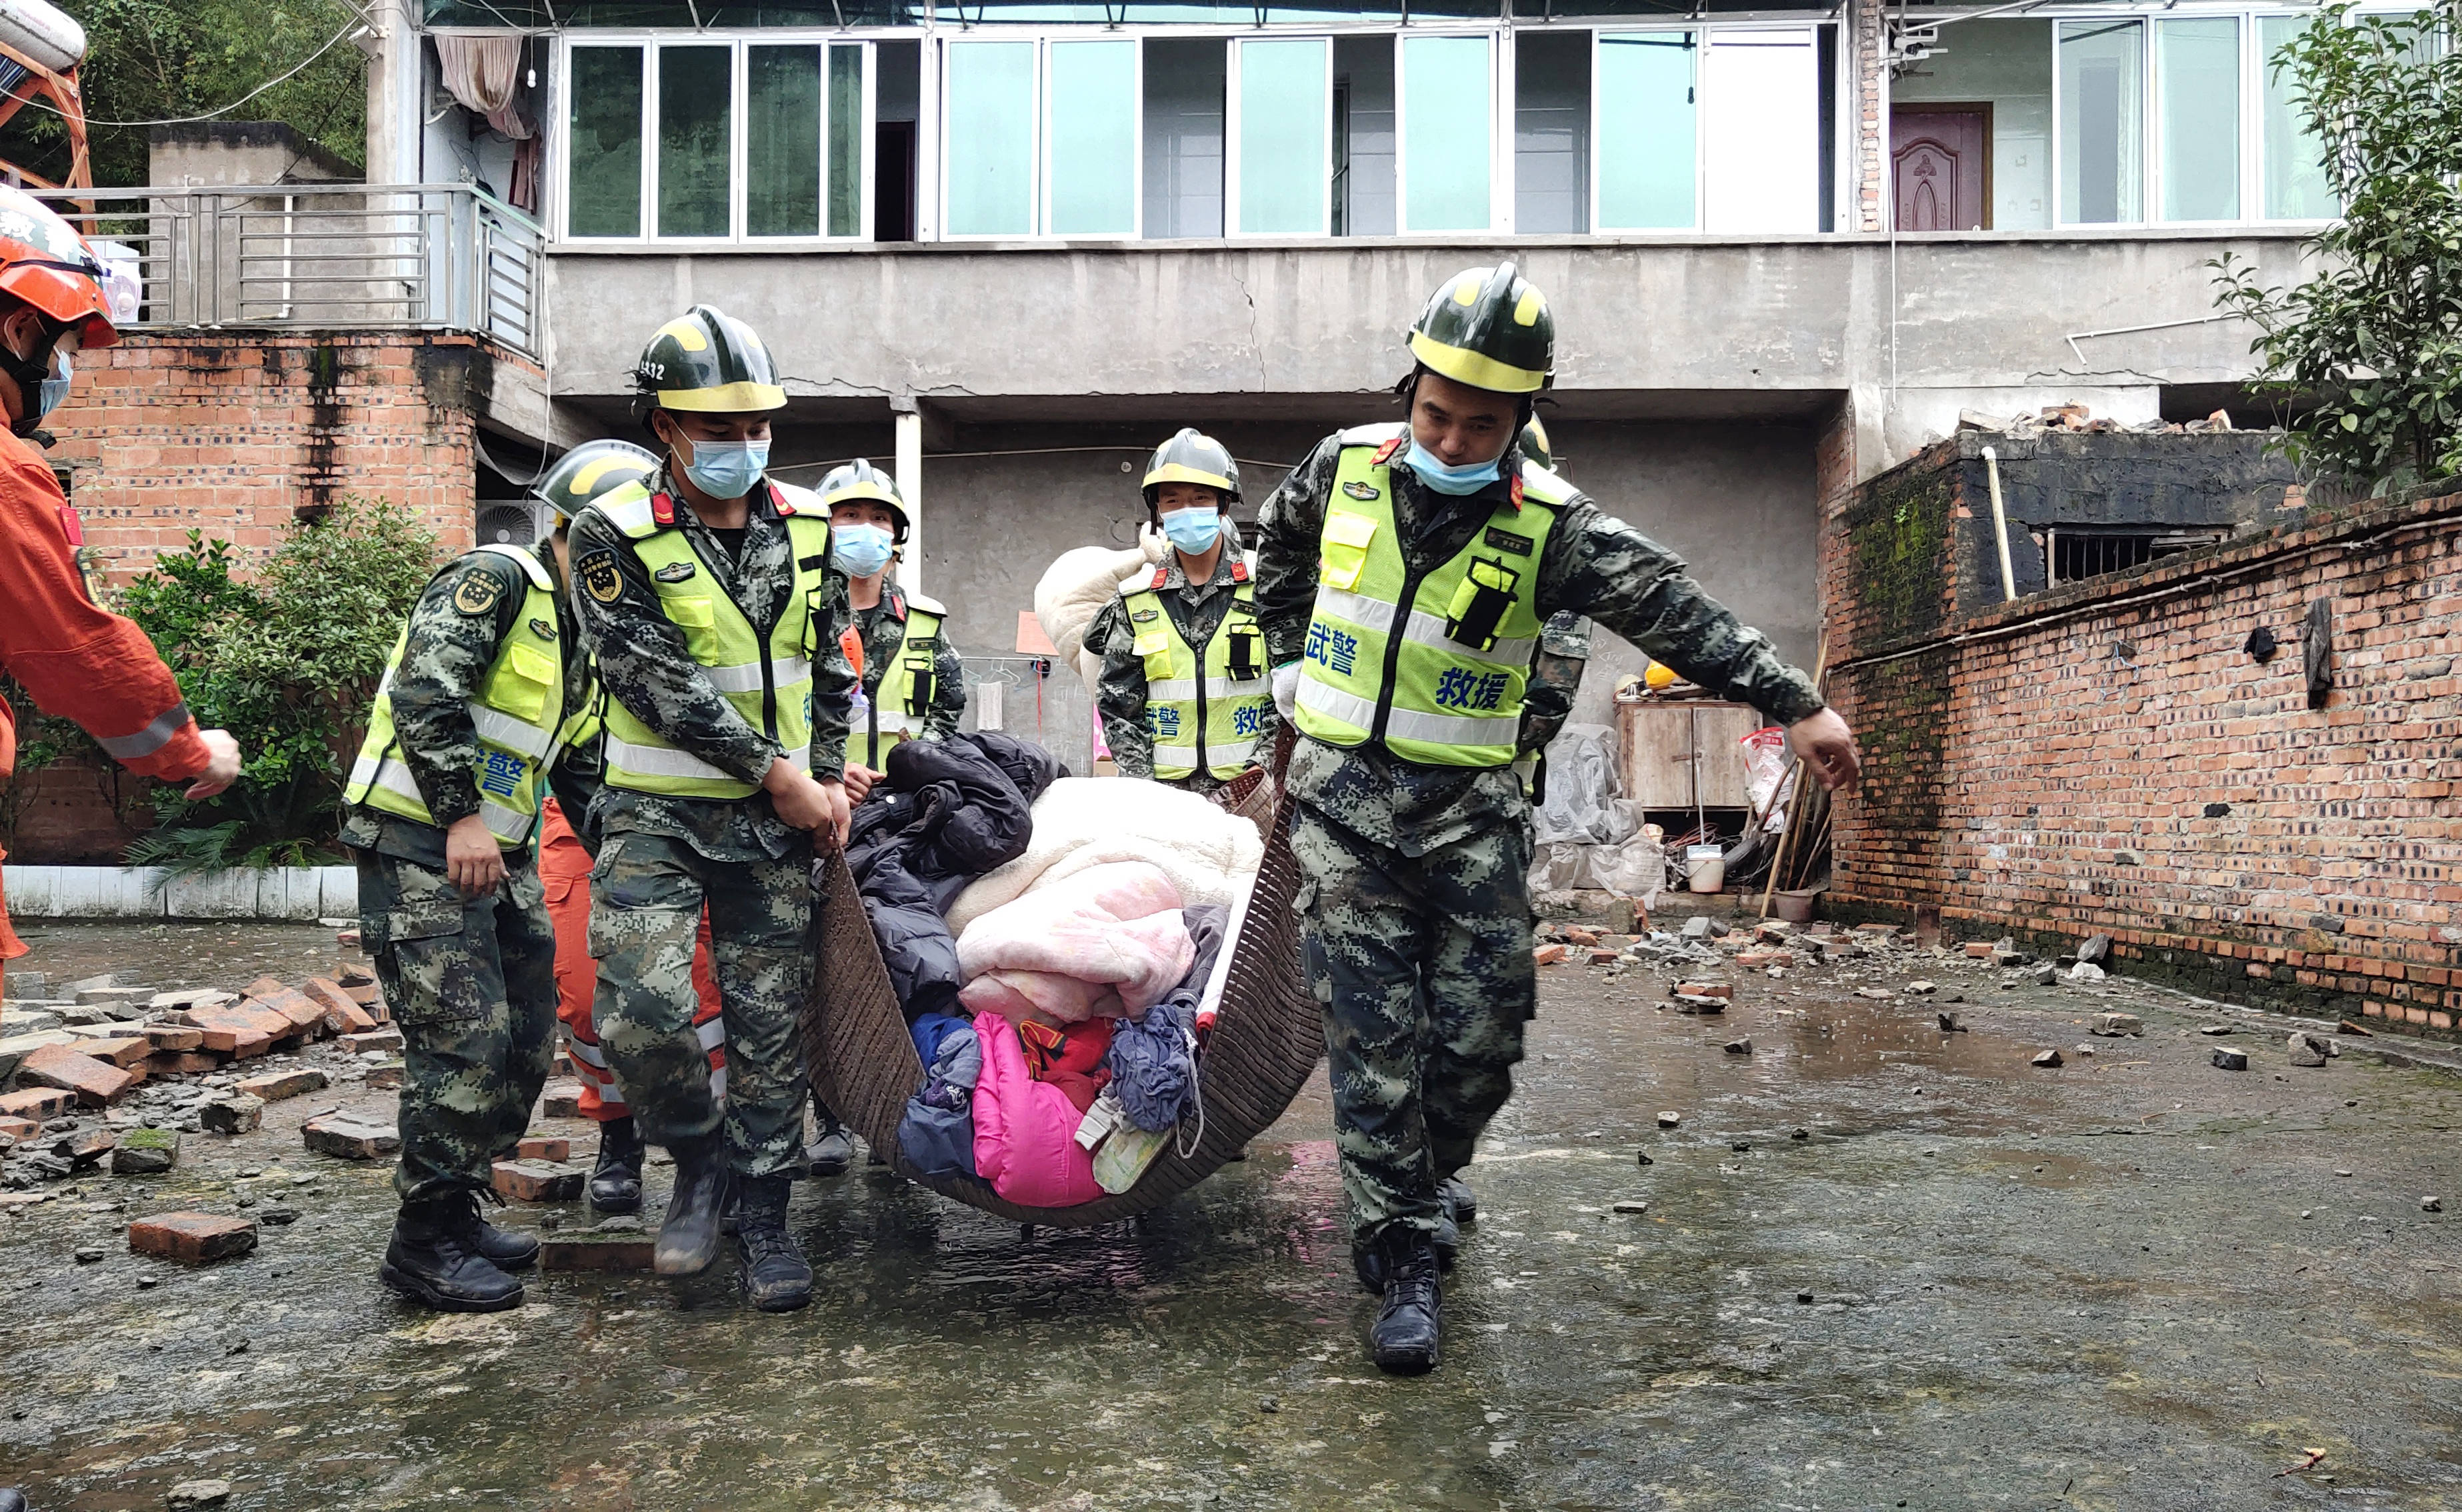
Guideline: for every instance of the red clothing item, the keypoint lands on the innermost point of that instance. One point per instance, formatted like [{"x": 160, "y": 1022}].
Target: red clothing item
[
  {"x": 78, "y": 660},
  {"x": 1070, "y": 1059}
]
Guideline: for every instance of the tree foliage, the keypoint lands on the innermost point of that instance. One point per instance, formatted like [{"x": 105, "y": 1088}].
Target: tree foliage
[
  {"x": 2370, "y": 346},
  {"x": 166, "y": 60}
]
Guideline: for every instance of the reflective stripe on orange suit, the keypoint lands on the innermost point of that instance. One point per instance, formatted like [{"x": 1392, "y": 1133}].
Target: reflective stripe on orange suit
[{"x": 564, "y": 871}]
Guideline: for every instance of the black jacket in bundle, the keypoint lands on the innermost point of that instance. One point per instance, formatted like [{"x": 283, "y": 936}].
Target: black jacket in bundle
[{"x": 947, "y": 812}]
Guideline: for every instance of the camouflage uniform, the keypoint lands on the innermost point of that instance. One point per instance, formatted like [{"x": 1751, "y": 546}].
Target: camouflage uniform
[
  {"x": 883, "y": 629},
  {"x": 471, "y": 980},
  {"x": 1555, "y": 678},
  {"x": 1414, "y": 878},
  {"x": 662, "y": 858},
  {"x": 1198, "y": 609}
]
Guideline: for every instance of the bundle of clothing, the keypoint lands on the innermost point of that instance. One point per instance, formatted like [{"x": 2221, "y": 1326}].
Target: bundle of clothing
[
  {"x": 1091, "y": 971},
  {"x": 946, "y": 812}
]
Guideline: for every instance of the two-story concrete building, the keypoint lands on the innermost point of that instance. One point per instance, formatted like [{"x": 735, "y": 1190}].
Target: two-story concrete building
[{"x": 1007, "y": 247}]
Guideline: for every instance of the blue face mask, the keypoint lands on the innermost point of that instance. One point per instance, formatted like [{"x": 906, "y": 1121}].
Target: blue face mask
[
  {"x": 49, "y": 393},
  {"x": 1454, "y": 481},
  {"x": 1194, "y": 529},
  {"x": 727, "y": 470},
  {"x": 861, "y": 550}
]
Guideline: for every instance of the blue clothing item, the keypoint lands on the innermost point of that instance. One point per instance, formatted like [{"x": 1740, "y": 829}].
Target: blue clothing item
[
  {"x": 1456, "y": 481},
  {"x": 936, "y": 1136},
  {"x": 931, "y": 1030},
  {"x": 1154, "y": 1059}
]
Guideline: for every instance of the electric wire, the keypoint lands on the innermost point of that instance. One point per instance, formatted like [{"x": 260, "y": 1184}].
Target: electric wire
[{"x": 354, "y": 28}]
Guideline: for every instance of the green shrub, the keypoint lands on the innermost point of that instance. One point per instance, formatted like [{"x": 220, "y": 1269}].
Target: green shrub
[{"x": 287, "y": 662}]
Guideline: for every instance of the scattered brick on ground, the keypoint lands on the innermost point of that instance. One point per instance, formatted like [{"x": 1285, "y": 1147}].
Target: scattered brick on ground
[
  {"x": 348, "y": 1137},
  {"x": 191, "y": 1237},
  {"x": 94, "y": 1083},
  {"x": 545, "y": 1147},
  {"x": 231, "y": 1115},
  {"x": 538, "y": 1181},
  {"x": 278, "y": 1086}
]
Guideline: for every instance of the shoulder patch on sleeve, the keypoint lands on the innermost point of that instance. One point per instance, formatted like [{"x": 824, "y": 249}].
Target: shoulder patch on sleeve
[
  {"x": 479, "y": 591},
  {"x": 599, "y": 574}
]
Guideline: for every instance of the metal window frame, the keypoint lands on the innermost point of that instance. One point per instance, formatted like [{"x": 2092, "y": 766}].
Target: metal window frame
[
  {"x": 1136, "y": 44},
  {"x": 1500, "y": 177}
]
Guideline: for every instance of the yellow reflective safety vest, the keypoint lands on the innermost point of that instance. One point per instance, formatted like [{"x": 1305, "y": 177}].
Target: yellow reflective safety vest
[
  {"x": 895, "y": 711},
  {"x": 1204, "y": 710},
  {"x": 518, "y": 713},
  {"x": 764, "y": 671},
  {"x": 1432, "y": 665}
]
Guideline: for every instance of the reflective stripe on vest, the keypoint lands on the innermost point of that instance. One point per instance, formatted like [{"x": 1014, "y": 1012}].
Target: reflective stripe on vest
[
  {"x": 766, "y": 675},
  {"x": 518, "y": 716},
  {"x": 1200, "y": 715},
  {"x": 1441, "y": 684},
  {"x": 892, "y": 713}
]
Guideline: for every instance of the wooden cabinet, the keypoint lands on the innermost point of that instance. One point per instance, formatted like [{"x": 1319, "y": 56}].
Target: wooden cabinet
[{"x": 1686, "y": 753}]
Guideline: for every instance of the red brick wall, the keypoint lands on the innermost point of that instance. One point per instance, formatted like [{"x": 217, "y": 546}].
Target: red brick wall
[
  {"x": 2107, "y": 757},
  {"x": 233, "y": 432}
]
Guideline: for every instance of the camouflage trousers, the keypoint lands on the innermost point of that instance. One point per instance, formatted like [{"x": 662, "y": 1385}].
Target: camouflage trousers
[
  {"x": 646, "y": 896},
  {"x": 471, "y": 984},
  {"x": 1422, "y": 967}
]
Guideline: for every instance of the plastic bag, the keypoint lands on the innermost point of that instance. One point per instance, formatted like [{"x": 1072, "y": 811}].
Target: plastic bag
[
  {"x": 1766, "y": 773},
  {"x": 1581, "y": 805},
  {"x": 1636, "y": 869}
]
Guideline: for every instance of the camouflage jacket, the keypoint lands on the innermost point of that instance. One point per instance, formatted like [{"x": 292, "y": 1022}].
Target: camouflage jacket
[
  {"x": 1198, "y": 610},
  {"x": 1593, "y": 564},
  {"x": 1555, "y": 678},
  {"x": 462, "y": 618},
  {"x": 883, "y": 627},
  {"x": 641, "y": 658}
]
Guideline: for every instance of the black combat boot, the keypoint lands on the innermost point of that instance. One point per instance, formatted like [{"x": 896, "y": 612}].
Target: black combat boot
[
  {"x": 615, "y": 1182},
  {"x": 1457, "y": 1207},
  {"x": 688, "y": 1239},
  {"x": 832, "y": 1150},
  {"x": 777, "y": 1278},
  {"x": 1403, "y": 1342},
  {"x": 12, "y": 1499},
  {"x": 434, "y": 1257},
  {"x": 505, "y": 1249}
]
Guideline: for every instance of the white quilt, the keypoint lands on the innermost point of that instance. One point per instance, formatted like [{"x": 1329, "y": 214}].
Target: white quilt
[{"x": 1083, "y": 822}]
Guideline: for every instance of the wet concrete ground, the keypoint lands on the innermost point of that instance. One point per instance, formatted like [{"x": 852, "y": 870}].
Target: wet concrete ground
[{"x": 2134, "y": 1281}]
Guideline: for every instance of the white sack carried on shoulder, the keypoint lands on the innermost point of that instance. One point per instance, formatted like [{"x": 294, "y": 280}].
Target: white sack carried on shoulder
[
  {"x": 1078, "y": 583},
  {"x": 1083, "y": 822}
]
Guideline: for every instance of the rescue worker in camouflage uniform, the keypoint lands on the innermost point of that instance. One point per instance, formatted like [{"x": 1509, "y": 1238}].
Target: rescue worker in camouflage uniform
[
  {"x": 1183, "y": 692},
  {"x": 707, "y": 596},
  {"x": 913, "y": 681},
  {"x": 1404, "y": 574},
  {"x": 441, "y": 813}
]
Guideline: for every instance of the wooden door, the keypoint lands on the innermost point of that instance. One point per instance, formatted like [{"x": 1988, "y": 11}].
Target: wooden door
[{"x": 1940, "y": 158}]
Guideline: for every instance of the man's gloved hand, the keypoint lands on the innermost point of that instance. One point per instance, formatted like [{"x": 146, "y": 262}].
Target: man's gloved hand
[{"x": 1287, "y": 690}]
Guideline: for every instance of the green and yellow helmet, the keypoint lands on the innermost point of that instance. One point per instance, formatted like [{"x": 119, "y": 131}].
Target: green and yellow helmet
[
  {"x": 859, "y": 479},
  {"x": 1191, "y": 456},
  {"x": 581, "y": 475},
  {"x": 708, "y": 362},
  {"x": 1489, "y": 328},
  {"x": 1534, "y": 444}
]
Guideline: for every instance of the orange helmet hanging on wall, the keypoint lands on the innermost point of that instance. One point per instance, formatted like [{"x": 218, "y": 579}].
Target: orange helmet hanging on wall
[{"x": 45, "y": 264}]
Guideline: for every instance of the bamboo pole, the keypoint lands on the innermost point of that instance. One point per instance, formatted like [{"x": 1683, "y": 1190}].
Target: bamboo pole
[{"x": 1795, "y": 804}]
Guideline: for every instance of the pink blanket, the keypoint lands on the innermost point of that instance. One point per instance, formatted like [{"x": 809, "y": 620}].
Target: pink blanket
[{"x": 1116, "y": 928}]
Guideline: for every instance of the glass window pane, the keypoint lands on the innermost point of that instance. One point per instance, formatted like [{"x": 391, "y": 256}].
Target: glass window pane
[
  {"x": 1646, "y": 131},
  {"x": 1761, "y": 132},
  {"x": 696, "y": 110},
  {"x": 1093, "y": 137},
  {"x": 2196, "y": 68},
  {"x": 1551, "y": 132},
  {"x": 1284, "y": 119},
  {"x": 603, "y": 186},
  {"x": 782, "y": 146},
  {"x": 846, "y": 139},
  {"x": 1183, "y": 105},
  {"x": 2102, "y": 119},
  {"x": 2295, "y": 168},
  {"x": 1996, "y": 82},
  {"x": 1364, "y": 196},
  {"x": 1448, "y": 121},
  {"x": 991, "y": 139}
]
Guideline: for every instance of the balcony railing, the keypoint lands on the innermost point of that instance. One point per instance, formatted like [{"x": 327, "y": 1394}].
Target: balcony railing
[{"x": 431, "y": 257}]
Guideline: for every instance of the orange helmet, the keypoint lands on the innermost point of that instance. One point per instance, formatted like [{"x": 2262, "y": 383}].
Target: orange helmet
[{"x": 46, "y": 264}]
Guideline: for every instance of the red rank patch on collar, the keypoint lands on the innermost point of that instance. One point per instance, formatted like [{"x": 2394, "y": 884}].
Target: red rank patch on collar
[{"x": 1385, "y": 453}]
